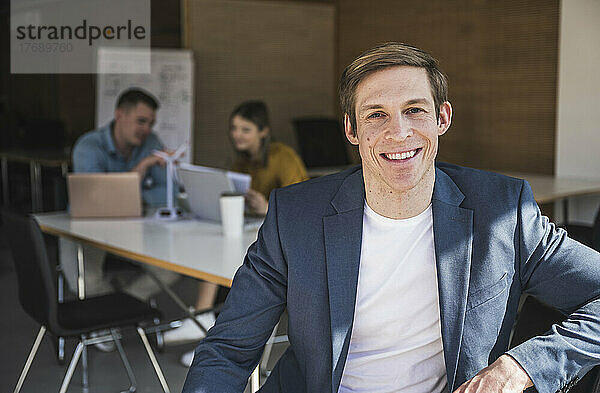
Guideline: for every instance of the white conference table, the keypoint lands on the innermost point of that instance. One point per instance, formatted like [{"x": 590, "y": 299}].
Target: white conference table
[
  {"x": 548, "y": 188},
  {"x": 191, "y": 247},
  {"x": 198, "y": 249}
]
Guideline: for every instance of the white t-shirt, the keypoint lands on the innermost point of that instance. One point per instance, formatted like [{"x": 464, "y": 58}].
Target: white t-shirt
[{"x": 396, "y": 343}]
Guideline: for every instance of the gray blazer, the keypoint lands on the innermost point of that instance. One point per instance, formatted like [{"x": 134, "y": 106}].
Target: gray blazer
[{"x": 492, "y": 244}]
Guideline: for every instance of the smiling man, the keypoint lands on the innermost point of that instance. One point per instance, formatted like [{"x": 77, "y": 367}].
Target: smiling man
[{"x": 403, "y": 274}]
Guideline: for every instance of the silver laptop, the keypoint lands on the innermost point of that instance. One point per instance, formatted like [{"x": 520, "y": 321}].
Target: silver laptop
[
  {"x": 204, "y": 186},
  {"x": 114, "y": 194}
]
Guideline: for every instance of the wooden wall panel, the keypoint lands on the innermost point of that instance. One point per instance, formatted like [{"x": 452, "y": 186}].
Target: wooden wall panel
[
  {"x": 280, "y": 52},
  {"x": 501, "y": 60}
]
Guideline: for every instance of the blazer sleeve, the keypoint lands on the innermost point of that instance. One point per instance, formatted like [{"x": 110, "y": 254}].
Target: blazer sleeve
[
  {"x": 566, "y": 275},
  {"x": 224, "y": 360}
]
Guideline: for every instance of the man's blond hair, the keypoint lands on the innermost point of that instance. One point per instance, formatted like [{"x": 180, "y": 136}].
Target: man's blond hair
[{"x": 389, "y": 54}]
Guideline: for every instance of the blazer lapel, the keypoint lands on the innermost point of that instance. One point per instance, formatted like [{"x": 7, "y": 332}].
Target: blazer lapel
[
  {"x": 453, "y": 236},
  {"x": 343, "y": 236}
]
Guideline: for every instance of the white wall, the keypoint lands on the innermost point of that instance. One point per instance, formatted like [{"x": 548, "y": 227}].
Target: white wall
[{"x": 578, "y": 119}]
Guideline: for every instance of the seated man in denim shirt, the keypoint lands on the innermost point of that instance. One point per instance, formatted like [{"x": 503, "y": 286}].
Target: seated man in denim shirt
[{"x": 125, "y": 144}]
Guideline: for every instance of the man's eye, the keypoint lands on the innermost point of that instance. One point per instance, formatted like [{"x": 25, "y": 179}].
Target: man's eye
[
  {"x": 375, "y": 115},
  {"x": 414, "y": 111}
]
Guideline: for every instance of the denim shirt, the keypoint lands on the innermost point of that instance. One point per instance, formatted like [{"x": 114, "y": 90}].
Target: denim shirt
[{"x": 95, "y": 151}]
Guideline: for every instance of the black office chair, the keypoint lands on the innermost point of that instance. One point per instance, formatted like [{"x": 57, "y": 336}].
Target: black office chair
[
  {"x": 321, "y": 142},
  {"x": 72, "y": 319},
  {"x": 590, "y": 236},
  {"x": 536, "y": 318}
]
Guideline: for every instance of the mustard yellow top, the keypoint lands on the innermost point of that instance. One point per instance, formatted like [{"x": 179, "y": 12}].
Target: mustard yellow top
[{"x": 284, "y": 167}]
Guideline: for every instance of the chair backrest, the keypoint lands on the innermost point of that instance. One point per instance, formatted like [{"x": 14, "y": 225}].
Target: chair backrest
[
  {"x": 321, "y": 142},
  {"x": 37, "y": 287}
]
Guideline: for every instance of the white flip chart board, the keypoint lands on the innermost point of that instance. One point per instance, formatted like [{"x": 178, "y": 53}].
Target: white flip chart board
[{"x": 170, "y": 80}]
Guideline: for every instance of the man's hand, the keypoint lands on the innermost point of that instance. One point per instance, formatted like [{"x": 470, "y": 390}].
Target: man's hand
[
  {"x": 257, "y": 202},
  {"x": 505, "y": 375},
  {"x": 151, "y": 160}
]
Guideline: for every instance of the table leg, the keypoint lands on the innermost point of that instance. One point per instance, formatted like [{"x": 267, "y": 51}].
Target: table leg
[
  {"x": 4, "y": 164},
  {"x": 255, "y": 380},
  {"x": 35, "y": 174},
  {"x": 188, "y": 310},
  {"x": 60, "y": 354},
  {"x": 268, "y": 347},
  {"x": 80, "y": 272},
  {"x": 84, "y": 369}
]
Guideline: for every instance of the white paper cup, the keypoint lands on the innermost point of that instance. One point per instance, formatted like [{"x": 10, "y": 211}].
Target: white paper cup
[{"x": 232, "y": 214}]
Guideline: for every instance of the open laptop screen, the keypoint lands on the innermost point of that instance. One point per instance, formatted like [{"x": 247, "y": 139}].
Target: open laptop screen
[
  {"x": 204, "y": 186},
  {"x": 114, "y": 194}
]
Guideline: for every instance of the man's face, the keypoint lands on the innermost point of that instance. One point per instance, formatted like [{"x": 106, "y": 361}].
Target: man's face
[
  {"x": 397, "y": 130},
  {"x": 134, "y": 124}
]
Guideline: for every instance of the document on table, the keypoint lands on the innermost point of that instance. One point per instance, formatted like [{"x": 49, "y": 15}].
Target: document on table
[{"x": 240, "y": 181}]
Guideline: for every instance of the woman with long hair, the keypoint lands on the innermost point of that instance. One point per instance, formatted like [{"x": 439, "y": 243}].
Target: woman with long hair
[{"x": 271, "y": 165}]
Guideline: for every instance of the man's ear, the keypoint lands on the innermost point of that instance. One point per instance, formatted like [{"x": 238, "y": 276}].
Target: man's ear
[
  {"x": 118, "y": 113},
  {"x": 349, "y": 131},
  {"x": 445, "y": 118}
]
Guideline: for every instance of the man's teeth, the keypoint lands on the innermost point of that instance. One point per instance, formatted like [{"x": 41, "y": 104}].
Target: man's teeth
[{"x": 401, "y": 156}]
